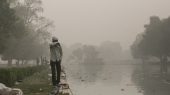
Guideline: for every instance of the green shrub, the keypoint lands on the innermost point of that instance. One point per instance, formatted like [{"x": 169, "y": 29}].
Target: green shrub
[{"x": 9, "y": 76}]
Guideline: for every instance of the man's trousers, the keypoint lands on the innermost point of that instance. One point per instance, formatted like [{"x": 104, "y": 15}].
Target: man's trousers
[{"x": 55, "y": 67}]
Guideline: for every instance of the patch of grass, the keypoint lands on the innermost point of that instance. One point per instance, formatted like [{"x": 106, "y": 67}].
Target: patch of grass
[
  {"x": 37, "y": 84},
  {"x": 10, "y": 75}
]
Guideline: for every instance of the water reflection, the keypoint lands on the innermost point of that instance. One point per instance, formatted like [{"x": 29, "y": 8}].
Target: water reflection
[
  {"x": 113, "y": 79},
  {"x": 149, "y": 80}
]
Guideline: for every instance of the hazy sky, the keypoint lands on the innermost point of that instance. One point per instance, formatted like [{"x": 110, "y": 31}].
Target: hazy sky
[{"x": 95, "y": 21}]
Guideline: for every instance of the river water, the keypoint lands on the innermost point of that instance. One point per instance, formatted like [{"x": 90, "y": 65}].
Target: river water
[{"x": 111, "y": 79}]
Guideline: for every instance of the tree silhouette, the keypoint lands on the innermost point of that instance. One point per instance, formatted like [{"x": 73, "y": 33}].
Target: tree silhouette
[{"x": 155, "y": 41}]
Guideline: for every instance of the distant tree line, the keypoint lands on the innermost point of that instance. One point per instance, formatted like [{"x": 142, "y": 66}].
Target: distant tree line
[
  {"x": 154, "y": 42},
  {"x": 109, "y": 51},
  {"x": 91, "y": 59},
  {"x": 24, "y": 32}
]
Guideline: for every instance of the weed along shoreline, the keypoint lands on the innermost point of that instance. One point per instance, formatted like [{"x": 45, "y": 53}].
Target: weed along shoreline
[
  {"x": 28, "y": 79},
  {"x": 37, "y": 84},
  {"x": 13, "y": 75}
]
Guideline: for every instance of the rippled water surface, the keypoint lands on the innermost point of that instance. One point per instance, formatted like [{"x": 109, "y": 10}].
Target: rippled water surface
[{"x": 111, "y": 80}]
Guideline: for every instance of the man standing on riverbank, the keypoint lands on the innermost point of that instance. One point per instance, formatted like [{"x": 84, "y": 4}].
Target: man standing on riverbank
[{"x": 55, "y": 60}]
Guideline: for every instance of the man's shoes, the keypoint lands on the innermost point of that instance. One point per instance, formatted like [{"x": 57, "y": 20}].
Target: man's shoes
[{"x": 55, "y": 89}]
